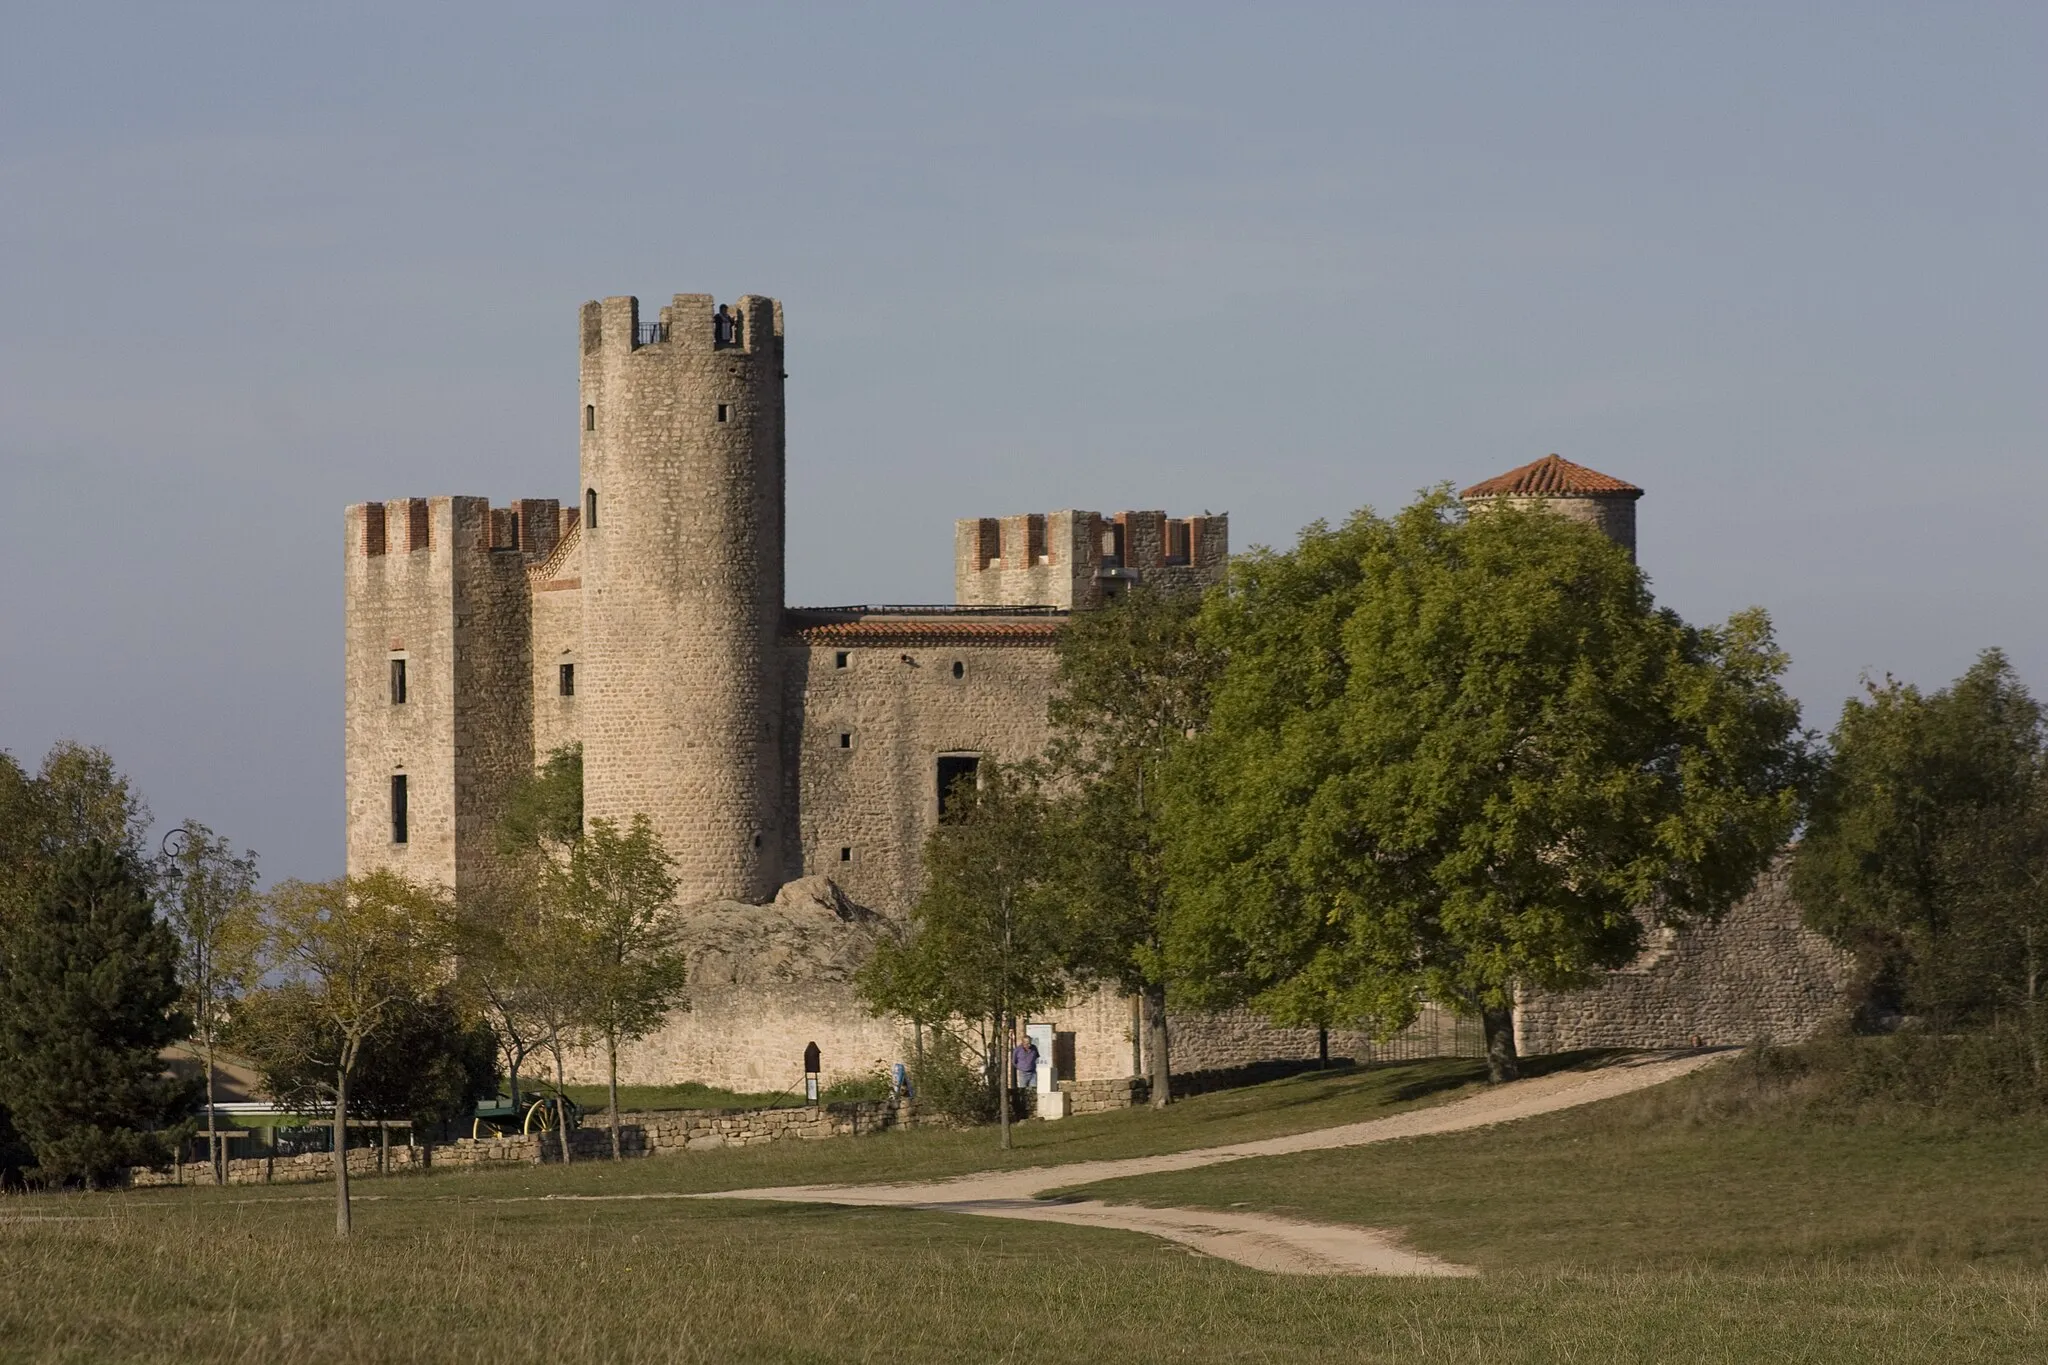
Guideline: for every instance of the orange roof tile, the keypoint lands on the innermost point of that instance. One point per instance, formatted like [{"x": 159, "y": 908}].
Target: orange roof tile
[
  {"x": 901, "y": 633},
  {"x": 1552, "y": 477}
]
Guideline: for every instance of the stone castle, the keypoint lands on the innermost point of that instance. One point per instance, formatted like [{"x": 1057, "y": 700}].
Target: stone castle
[{"x": 792, "y": 759}]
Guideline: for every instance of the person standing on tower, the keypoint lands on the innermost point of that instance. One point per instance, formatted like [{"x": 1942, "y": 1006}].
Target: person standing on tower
[{"x": 722, "y": 327}]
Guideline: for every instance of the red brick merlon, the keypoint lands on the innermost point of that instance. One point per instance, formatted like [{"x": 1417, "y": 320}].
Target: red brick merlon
[
  {"x": 1553, "y": 477},
  {"x": 922, "y": 627}
]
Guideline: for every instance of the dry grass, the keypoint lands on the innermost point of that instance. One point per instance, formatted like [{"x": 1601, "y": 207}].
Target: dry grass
[{"x": 1627, "y": 1232}]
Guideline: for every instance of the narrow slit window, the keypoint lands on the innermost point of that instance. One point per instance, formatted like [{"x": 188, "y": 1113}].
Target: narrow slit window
[
  {"x": 959, "y": 669},
  {"x": 398, "y": 812},
  {"x": 567, "y": 680},
  {"x": 723, "y": 412},
  {"x": 590, "y": 417},
  {"x": 398, "y": 682},
  {"x": 590, "y": 508},
  {"x": 845, "y": 739}
]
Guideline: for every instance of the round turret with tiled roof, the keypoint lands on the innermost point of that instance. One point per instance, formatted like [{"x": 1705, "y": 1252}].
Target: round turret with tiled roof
[{"x": 1571, "y": 490}]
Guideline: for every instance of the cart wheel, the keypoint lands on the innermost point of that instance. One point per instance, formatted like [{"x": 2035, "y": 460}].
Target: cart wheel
[{"x": 540, "y": 1118}]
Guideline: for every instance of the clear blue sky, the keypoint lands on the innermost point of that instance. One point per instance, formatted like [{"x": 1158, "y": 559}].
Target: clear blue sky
[{"x": 1782, "y": 266}]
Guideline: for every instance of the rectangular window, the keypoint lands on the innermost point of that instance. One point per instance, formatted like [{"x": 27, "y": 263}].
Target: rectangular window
[
  {"x": 839, "y": 659},
  {"x": 956, "y": 782},
  {"x": 721, "y": 412},
  {"x": 845, "y": 855},
  {"x": 568, "y": 680},
  {"x": 398, "y": 682},
  {"x": 845, "y": 739},
  {"x": 398, "y": 821}
]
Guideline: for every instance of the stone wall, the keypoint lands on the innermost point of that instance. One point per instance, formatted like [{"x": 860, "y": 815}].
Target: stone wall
[
  {"x": 1759, "y": 973},
  {"x": 1069, "y": 559},
  {"x": 1229, "y": 1039},
  {"x": 439, "y": 583},
  {"x": 557, "y": 586},
  {"x": 872, "y": 715},
  {"x": 663, "y": 1132}
]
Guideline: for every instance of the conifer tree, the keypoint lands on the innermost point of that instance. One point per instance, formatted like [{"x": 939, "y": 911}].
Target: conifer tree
[{"x": 88, "y": 998}]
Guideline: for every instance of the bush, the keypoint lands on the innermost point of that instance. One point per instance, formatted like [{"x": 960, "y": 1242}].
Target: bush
[
  {"x": 949, "y": 1082},
  {"x": 871, "y": 1085}
]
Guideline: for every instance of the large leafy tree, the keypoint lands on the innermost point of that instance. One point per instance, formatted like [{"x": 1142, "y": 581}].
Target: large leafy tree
[
  {"x": 1925, "y": 851},
  {"x": 1133, "y": 685},
  {"x": 88, "y": 999},
  {"x": 347, "y": 955},
  {"x": 990, "y": 934},
  {"x": 1452, "y": 756}
]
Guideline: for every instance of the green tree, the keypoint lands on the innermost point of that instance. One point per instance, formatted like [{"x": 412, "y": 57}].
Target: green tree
[
  {"x": 1452, "y": 756},
  {"x": 627, "y": 939},
  {"x": 427, "y": 1061},
  {"x": 210, "y": 904},
  {"x": 88, "y": 1000},
  {"x": 1922, "y": 850},
  {"x": 989, "y": 935},
  {"x": 75, "y": 798},
  {"x": 1133, "y": 685},
  {"x": 347, "y": 954},
  {"x": 545, "y": 811}
]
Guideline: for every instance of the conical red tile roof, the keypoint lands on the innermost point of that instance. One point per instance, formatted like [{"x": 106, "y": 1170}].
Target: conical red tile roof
[{"x": 1552, "y": 477}]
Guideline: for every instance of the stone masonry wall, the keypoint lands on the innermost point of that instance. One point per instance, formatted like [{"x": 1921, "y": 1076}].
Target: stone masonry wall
[
  {"x": 870, "y": 735},
  {"x": 557, "y": 586},
  {"x": 659, "y": 1132},
  {"x": 1759, "y": 973}
]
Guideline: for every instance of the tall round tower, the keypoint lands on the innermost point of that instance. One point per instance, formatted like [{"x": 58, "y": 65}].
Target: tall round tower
[{"x": 682, "y": 461}]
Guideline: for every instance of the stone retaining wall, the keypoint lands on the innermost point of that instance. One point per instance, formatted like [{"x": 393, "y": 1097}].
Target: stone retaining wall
[{"x": 640, "y": 1134}]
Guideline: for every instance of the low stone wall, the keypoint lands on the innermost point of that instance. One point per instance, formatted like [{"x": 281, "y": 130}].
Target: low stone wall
[
  {"x": 1097, "y": 1097},
  {"x": 1759, "y": 973},
  {"x": 640, "y": 1134}
]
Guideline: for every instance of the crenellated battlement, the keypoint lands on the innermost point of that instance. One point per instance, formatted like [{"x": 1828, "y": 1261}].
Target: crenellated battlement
[
  {"x": 532, "y": 527},
  {"x": 1073, "y": 559},
  {"x": 690, "y": 323}
]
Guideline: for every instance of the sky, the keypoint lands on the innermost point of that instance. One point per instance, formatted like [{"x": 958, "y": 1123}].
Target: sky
[{"x": 1779, "y": 265}]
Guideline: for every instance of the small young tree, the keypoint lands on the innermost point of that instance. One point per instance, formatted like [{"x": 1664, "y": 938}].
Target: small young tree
[
  {"x": 989, "y": 934},
  {"x": 1134, "y": 682},
  {"x": 1451, "y": 756},
  {"x": 348, "y": 952},
  {"x": 210, "y": 903},
  {"x": 618, "y": 888},
  {"x": 88, "y": 999}
]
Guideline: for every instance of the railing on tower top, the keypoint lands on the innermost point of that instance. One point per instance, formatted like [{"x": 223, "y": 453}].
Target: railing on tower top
[{"x": 650, "y": 332}]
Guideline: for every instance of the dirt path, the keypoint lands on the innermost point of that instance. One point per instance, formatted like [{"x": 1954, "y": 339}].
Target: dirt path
[{"x": 1261, "y": 1241}]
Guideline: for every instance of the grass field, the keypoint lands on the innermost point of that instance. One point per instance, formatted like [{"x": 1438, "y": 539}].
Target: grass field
[{"x": 1635, "y": 1230}]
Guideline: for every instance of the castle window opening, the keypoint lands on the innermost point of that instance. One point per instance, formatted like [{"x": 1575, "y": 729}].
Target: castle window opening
[
  {"x": 590, "y": 508},
  {"x": 398, "y": 811},
  {"x": 722, "y": 411},
  {"x": 958, "y": 776},
  {"x": 567, "y": 680},
  {"x": 959, "y": 669},
  {"x": 845, "y": 854},
  {"x": 398, "y": 682},
  {"x": 757, "y": 838},
  {"x": 841, "y": 659},
  {"x": 845, "y": 739},
  {"x": 590, "y": 417}
]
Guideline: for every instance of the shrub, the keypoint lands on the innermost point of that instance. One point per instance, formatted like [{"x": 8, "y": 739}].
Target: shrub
[{"x": 947, "y": 1081}]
